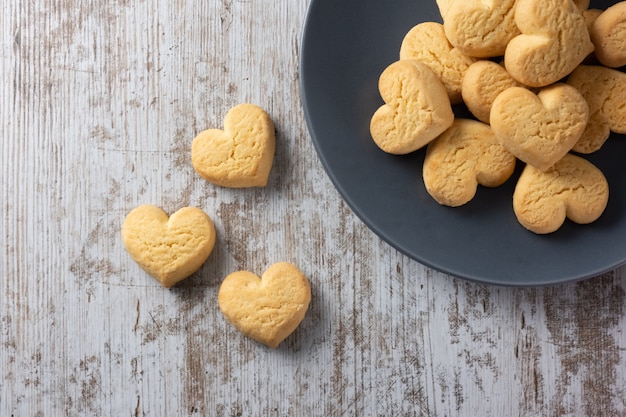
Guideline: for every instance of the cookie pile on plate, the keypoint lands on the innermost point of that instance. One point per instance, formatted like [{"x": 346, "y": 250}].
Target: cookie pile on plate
[{"x": 541, "y": 79}]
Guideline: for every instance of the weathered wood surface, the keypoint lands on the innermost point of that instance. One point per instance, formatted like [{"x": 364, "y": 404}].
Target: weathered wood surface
[{"x": 99, "y": 103}]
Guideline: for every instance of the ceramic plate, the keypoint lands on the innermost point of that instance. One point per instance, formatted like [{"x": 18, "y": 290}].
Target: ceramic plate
[{"x": 345, "y": 47}]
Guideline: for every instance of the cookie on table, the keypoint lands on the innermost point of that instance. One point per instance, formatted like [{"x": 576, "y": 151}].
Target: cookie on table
[
  {"x": 572, "y": 188},
  {"x": 539, "y": 129},
  {"x": 466, "y": 155},
  {"x": 554, "y": 40},
  {"x": 170, "y": 249},
  {"x": 242, "y": 154},
  {"x": 416, "y": 109},
  {"x": 266, "y": 309},
  {"x": 427, "y": 42}
]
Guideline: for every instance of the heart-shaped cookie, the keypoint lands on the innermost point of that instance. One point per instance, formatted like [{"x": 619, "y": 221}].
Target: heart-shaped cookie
[
  {"x": 169, "y": 249},
  {"x": 483, "y": 82},
  {"x": 427, "y": 43},
  {"x": 605, "y": 91},
  {"x": 239, "y": 156},
  {"x": 573, "y": 188},
  {"x": 554, "y": 40},
  {"x": 608, "y": 34},
  {"x": 539, "y": 129},
  {"x": 461, "y": 158},
  {"x": 416, "y": 109},
  {"x": 266, "y": 309},
  {"x": 481, "y": 28}
]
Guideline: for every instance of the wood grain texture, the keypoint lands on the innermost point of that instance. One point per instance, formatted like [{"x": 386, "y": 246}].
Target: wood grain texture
[{"x": 98, "y": 107}]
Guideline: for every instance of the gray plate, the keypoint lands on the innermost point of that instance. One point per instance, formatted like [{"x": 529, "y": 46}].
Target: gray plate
[{"x": 345, "y": 46}]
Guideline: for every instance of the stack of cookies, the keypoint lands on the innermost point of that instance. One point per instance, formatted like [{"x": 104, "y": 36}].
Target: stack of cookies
[{"x": 541, "y": 79}]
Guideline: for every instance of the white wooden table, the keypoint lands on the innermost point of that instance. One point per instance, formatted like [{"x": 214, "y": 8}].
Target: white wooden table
[{"x": 98, "y": 106}]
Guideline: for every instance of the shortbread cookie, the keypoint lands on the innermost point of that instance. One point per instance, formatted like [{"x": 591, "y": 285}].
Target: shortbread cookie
[
  {"x": 608, "y": 35},
  {"x": 464, "y": 156},
  {"x": 554, "y": 40},
  {"x": 482, "y": 83},
  {"x": 416, "y": 109},
  {"x": 266, "y": 309},
  {"x": 169, "y": 249},
  {"x": 539, "y": 129},
  {"x": 573, "y": 188},
  {"x": 427, "y": 42},
  {"x": 239, "y": 156},
  {"x": 481, "y": 28},
  {"x": 605, "y": 91}
]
